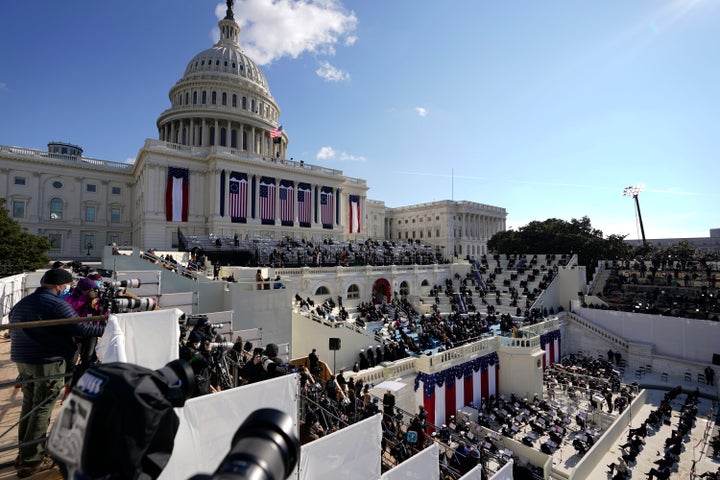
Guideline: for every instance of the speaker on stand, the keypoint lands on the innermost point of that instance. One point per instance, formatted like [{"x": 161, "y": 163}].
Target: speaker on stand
[{"x": 334, "y": 345}]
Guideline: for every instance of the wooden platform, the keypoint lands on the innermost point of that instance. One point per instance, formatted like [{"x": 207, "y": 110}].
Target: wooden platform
[{"x": 10, "y": 406}]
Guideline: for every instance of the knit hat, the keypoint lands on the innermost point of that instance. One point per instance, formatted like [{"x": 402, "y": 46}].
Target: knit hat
[
  {"x": 57, "y": 276},
  {"x": 84, "y": 284},
  {"x": 94, "y": 276}
]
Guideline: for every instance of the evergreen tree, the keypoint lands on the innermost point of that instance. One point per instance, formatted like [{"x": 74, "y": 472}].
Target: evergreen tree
[{"x": 20, "y": 251}]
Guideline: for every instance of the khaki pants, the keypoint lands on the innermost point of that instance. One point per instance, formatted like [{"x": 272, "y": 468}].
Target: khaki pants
[{"x": 38, "y": 403}]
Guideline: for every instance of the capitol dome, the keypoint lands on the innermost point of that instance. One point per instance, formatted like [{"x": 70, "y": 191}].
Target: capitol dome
[{"x": 223, "y": 99}]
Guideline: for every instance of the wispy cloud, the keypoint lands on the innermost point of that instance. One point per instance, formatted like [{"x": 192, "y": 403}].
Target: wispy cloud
[
  {"x": 421, "y": 111},
  {"x": 330, "y": 73},
  {"x": 130, "y": 160},
  {"x": 329, "y": 153},
  {"x": 272, "y": 29}
]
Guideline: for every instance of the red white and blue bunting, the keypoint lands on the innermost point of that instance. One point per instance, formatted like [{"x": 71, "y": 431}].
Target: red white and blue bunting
[
  {"x": 550, "y": 342},
  {"x": 451, "y": 389}
]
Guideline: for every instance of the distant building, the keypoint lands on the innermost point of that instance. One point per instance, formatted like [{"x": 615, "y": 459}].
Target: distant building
[{"x": 218, "y": 166}]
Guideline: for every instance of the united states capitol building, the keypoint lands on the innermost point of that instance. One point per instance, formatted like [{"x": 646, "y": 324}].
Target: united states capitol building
[{"x": 219, "y": 166}]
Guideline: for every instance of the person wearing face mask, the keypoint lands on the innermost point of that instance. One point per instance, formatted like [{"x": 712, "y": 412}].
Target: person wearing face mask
[{"x": 42, "y": 352}]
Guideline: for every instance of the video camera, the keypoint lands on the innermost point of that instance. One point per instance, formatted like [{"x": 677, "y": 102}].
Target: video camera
[
  {"x": 119, "y": 423},
  {"x": 111, "y": 297}
]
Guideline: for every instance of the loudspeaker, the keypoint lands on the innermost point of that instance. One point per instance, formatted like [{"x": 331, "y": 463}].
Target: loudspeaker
[
  {"x": 334, "y": 343},
  {"x": 716, "y": 358}
]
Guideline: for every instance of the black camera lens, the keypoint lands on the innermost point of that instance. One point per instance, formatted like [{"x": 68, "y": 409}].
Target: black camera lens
[{"x": 265, "y": 447}]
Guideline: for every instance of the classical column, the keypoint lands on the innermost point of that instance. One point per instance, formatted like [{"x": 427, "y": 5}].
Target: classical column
[
  {"x": 217, "y": 133},
  {"x": 191, "y": 133}
]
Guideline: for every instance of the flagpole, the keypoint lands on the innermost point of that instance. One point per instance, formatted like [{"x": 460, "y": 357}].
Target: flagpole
[{"x": 452, "y": 185}]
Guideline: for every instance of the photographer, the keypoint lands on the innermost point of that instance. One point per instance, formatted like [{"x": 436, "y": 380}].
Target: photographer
[
  {"x": 196, "y": 354},
  {"x": 39, "y": 353},
  {"x": 264, "y": 364},
  {"x": 85, "y": 300}
]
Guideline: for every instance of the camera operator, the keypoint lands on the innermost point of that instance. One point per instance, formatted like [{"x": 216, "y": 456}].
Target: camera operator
[
  {"x": 196, "y": 353},
  {"x": 264, "y": 364},
  {"x": 85, "y": 300},
  {"x": 42, "y": 352}
]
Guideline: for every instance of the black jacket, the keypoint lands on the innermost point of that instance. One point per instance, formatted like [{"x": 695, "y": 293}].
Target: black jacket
[{"x": 46, "y": 344}]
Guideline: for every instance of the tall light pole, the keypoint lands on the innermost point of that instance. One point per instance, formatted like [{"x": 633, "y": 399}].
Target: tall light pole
[{"x": 634, "y": 191}]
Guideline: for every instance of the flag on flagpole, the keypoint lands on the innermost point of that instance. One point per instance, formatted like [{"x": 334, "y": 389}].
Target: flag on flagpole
[
  {"x": 176, "y": 194},
  {"x": 267, "y": 200},
  {"x": 304, "y": 200},
  {"x": 285, "y": 196},
  {"x": 276, "y": 132},
  {"x": 354, "y": 213},
  {"x": 238, "y": 197}
]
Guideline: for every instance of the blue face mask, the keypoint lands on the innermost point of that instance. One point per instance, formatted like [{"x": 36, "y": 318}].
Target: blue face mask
[
  {"x": 98, "y": 283},
  {"x": 65, "y": 291}
]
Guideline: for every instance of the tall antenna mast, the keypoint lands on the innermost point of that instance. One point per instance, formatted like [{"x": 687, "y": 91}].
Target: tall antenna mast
[{"x": 634, "y": 191}]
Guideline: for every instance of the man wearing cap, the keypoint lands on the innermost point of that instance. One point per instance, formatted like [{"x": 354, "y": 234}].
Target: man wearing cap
[{"x": 42, "y": 352}]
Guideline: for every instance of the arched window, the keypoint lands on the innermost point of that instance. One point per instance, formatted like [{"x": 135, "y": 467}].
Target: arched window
[
  {"x": 194, "y": 98},
  {"x": 212, "y": 136},
  {"x": 322, "y": 291},
  {"x": 425, "y": 283},
  {"x": 204, "y": 97},
  {"x": 404, "y": 288},
  {"x": 187, "y": 98},
  {"x": 353, "y": 291},
  {"x": 234, "y": 100},
  {"x": 224, "y": 98},
  {"x": 56, "y": 209},
  {"x": 233, "y": 139},
  {"x": 244, "y": 103},
  {"x": 213, "y": 98},
  {"x": 223, "y": 137}
]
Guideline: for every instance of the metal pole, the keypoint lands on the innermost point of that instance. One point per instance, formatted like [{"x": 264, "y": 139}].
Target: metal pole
[
  {"x": 642, "y": 229},
  {"x": 52, "y": 323}
]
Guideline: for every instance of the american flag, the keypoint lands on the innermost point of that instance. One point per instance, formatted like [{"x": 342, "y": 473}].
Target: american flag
[
  {"x": 304, "y": 198},
  {"x": 285, "y": 194},
  {"x": 267, "y": 200},
  {"x": 276, "y": 132},
  {"x": 238, "y": 196},
  {"x": 326, "y": 207}
]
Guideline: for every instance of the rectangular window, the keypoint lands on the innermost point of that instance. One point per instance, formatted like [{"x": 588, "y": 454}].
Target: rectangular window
[
  {"x": 174, "y": 241},
  {"x": 437, "y": 233},
  {"x": 18, "y": 209},
  {"x": 55, "y": 241},
  {"x": 89, "y": 214},
  {"x": 19, "y": 180},
  {"x": 114, "y": 240},
  {"x": 115, "y": 215},
  {"x": 116, "y": 190},
  {"x": 91, "y": 187},
  {"x": 89, "y": 242}
]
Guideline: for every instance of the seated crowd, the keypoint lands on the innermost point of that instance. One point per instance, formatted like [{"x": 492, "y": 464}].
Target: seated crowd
[{"x": 663, "y": 287}]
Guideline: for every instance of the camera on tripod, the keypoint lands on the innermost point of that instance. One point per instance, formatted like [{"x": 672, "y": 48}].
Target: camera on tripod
[
  {"x": 119, "y": 423},
  {"x": 112, "y": 297}
]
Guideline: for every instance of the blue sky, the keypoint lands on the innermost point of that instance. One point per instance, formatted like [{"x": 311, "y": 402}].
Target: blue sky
[{"x": 546, "y": 108}]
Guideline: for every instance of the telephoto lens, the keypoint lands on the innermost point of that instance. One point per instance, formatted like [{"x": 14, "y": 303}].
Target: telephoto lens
[{"x": 265, "y": 447}]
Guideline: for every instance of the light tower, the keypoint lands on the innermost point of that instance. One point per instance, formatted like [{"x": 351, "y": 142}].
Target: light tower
[{"x": 634, "y": 191}]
